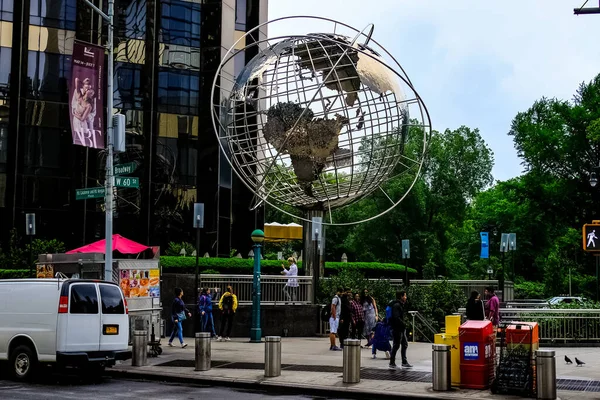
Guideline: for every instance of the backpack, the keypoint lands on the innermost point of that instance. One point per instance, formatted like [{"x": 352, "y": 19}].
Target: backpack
[
  {"x": 389, "y": 310},
  {"x": 228, "y": 302},
  {"x": 325, "y": 313}
]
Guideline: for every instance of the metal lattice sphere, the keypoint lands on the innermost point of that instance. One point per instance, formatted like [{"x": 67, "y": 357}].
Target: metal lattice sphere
[{"x": 317, "y": 121}]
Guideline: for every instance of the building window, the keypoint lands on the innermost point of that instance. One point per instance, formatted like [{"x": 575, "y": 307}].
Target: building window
[
  {"x": 127, "y": 84},
  {"x": 61, "y": 14},
  {"x": 3, "y": 146},
  {"x": 178, "y": 91},
  {"x": 132, "y": 19},
  {"x": 6, "y": 10},
  {"x": 5, "y": 58},
  {"x": 240, "y": 15},
  {"x": 180, "y": 23},
  {"x": 239, "y": 62},
  {"x": 48, "y": 75},
  {"x": 43, "y": 148}
]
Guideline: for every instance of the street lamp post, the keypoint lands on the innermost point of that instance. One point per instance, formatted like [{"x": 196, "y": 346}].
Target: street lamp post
[
  {"x": 198, "y": 224},
  {"x": 258, "y": 237},
  {"x": 108, "y": 194}
]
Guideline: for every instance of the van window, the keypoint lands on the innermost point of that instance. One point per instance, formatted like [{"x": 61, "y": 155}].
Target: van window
[
  {"x": 112, "y": 300},
  {"x": 84, "y": 299}
]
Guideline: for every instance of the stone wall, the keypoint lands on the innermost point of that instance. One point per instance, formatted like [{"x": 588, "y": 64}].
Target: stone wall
[{"x": 299, "y": 320}]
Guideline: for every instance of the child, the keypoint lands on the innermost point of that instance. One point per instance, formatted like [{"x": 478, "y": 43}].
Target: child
[{"x": 380, "y": 338}]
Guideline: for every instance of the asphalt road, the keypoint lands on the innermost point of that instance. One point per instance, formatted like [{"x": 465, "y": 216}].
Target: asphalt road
[{"x": 70, "y": 387}]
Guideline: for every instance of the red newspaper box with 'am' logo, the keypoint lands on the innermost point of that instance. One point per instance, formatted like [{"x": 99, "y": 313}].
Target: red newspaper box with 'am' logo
[{"x": 477, "y": 354}]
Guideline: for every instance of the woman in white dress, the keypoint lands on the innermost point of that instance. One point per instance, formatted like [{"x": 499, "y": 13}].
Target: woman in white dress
[{"x": 291, "y": 287}]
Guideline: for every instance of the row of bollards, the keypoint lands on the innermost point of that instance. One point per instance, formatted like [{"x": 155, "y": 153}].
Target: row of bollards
[
  {"x": 545, "y": 371},
  {"x": 545, "y": 361}
]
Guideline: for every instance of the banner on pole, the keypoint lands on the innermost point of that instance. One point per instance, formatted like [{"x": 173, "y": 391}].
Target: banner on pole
[
  {"x": 86, "y": 94},
  {"x": 485, "y": 247}
]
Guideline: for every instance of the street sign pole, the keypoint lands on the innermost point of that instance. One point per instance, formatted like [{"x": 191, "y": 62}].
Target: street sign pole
[{"x": 108, "y": 195}]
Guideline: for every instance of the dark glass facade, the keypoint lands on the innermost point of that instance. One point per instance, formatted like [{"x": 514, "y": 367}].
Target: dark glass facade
[{"x": 166, "y": 55}]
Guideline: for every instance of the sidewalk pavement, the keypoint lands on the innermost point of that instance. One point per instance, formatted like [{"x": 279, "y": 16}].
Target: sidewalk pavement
[{"x": 309, "y": 357}]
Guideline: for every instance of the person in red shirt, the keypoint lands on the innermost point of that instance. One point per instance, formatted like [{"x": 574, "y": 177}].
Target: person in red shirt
[{"x": 492, "y": 308}]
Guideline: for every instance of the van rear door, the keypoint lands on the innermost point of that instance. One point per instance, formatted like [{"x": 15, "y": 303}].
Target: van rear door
[
  {"x": 83, "y": 319},
  {"x": 114, "y": 333}
]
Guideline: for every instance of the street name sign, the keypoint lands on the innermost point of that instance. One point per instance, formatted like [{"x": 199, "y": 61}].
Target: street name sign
[
  {"x": 89, "y": 193},
  {"x": 124, "y": 169},
  {"x": 127, "y": 182}
]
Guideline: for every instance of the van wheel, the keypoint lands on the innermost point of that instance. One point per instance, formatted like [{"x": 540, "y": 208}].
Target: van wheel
[{"x": 23, "y": 362}]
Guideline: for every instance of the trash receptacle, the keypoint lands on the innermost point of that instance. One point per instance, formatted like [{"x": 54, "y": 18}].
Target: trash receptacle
[
  {"x": 477, "y": 354},
  {"x": 441, "y": 367},
  {"x": 452, "y": 341}
]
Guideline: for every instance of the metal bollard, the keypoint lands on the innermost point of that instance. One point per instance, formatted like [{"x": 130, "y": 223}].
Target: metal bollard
[
  {"x": 140, "y": 348},
  {"x": 546, "y": 374},
  {"x": 441, "y": 367},
  {"x": 351, "y": 361},
  {"x": 272, "y": 356},
  {"x": 202, "y": 351}
]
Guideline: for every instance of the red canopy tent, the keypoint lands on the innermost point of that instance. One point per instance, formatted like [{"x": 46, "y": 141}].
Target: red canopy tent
[{"x": 119, "y": 243}]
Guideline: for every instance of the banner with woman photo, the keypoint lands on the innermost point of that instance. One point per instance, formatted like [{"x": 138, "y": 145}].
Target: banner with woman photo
[{"x": 86, "y": 94}]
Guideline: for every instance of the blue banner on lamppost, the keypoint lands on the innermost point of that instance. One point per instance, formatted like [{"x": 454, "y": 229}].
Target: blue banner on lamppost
[{"x": 485, "y": 245}]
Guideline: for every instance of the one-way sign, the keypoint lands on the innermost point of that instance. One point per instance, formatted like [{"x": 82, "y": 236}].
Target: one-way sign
[{"x": 591, "y": 236}]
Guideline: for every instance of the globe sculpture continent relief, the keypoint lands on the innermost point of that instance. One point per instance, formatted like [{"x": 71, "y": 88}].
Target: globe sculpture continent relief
[{"x": 320, "y": 120}]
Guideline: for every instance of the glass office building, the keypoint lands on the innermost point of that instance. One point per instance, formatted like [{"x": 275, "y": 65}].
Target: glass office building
[{"x": 166, "y": 56}]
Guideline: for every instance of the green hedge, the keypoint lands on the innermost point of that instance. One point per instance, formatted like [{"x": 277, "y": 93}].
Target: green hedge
[
  {"x": 14, "y": 273},
  {"x": 178, "y": 264}
]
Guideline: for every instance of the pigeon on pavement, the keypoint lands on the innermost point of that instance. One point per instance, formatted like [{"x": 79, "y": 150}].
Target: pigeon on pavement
[
  {"x": 579, "y": 362},
  {"x": 568, "y": 360}
]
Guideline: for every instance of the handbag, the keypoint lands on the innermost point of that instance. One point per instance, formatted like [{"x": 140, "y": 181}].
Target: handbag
[{"x": 181, "y": 316}]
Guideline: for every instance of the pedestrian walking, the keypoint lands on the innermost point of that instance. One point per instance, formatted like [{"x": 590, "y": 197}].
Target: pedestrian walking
[
  {"x": 475, "y": 309},
  {"x": 205, "y": 310},
  {"x": 380, "y": 338},
  {"x": 291, "y": 287},
  {"x": 397, "y": 313},
  {"x": 371, "y": 313},
  {"x": 345, "y": 316},
  {"x": 358, "y": 318},
  {"x": 228, "y": 305},
  {"x": 179, "y": 313},
  {"x": 334, "y": 319}
]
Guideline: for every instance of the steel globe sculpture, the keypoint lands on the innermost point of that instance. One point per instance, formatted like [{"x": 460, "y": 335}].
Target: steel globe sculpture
[{"x": 317, "y": 121}]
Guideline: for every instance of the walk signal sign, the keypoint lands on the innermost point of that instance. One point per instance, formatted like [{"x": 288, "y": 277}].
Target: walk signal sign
[{"x": 591, "y": 237}]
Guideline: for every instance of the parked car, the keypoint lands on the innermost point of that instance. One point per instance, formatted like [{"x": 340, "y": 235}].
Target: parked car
[
  {"x": 67, "y": 322},
  {"x": 557, "y": 300}
]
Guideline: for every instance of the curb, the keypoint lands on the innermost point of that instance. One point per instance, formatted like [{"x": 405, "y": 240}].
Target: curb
[{"x": 348, "y": 391}]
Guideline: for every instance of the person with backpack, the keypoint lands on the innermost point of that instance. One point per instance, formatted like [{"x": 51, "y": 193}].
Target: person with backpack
[
  {"x": 205, "y": 311},
  {"x": 395, "y": 313},
  {"x": 228, "y": 305},
  {"x": 334, "y": 319}
]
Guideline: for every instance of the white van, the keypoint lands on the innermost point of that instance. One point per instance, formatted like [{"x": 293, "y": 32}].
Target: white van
[{"x": 69, "y": 322}]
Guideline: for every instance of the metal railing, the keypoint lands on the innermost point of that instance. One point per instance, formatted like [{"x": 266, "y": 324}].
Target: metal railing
[
  {"x": 425, "y": 324},
  {"x": 558, "y": 325},
  {"x": 271, "y": 287},
  {"x": 467, "y": 286}
]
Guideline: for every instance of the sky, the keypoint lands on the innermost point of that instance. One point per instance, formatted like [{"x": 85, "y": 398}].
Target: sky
[{"x": 475, "y": 63}]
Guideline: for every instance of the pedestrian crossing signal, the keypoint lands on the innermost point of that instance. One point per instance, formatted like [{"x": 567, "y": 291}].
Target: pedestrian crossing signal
[{"x": 591, "y": 237}]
